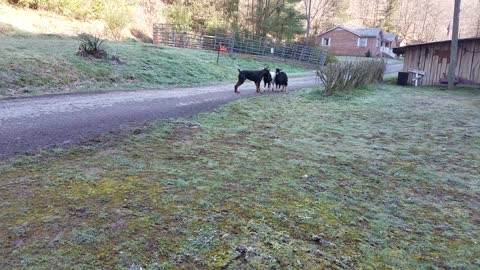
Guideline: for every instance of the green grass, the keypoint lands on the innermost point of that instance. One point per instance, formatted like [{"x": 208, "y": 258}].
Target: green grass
[
  {"x": 380, "y": 178},
  {"x": 356, "y": 58},
  {"x": 42, "y": 64}
]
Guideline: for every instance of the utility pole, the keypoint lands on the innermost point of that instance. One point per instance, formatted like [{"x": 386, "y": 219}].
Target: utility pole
[{"x": 454, "y": 46}]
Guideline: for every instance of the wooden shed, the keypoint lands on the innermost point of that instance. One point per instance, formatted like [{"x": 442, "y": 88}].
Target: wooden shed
[{"x": 434, "y": 58}]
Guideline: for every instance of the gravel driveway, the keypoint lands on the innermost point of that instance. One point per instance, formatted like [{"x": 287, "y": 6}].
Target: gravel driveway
[{"x": 34, "y": 123}]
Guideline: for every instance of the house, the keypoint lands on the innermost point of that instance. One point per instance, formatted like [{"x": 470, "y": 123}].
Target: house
[
  {"x": 433, "y": 59},
  {"x": 390, "y": 40},
  {"x": 348, "y": 41}
]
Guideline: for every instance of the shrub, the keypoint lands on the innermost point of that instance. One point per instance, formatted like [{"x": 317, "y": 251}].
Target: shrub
[
  {"x": 331, "y": 58},
  {"x": 368, "y": 53},
  {"x": 81, "y": 10},
  {"x": 8, "y": 29},
  {"x": 91, "y": 46},
  {"x": 180, "y": 14},
  {"x": 116, "y": 17},
  {"x": 349, "y": 75},
  {"x": 140, "y": 35}
]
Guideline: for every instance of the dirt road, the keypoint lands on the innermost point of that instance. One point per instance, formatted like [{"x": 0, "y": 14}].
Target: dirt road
[{"x": 31, "y": 124}]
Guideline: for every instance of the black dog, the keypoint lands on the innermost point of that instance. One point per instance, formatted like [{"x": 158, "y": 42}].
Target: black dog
[
  {"x": 255, "y": 76},
  {"x": 281, "y": 79},
  {"x": 268, "y": 80}
]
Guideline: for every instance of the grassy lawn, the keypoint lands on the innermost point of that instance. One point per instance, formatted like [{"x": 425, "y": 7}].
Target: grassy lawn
[
  {"x": 42, "y": 64},
  {"x": 382, "y": 178}
]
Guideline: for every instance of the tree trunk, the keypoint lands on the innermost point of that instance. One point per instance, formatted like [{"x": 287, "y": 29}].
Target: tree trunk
[
  {"x": 266, "y": 15},
  {"x": 454, "y": 46},
  {"x": 308, "y": 15}
]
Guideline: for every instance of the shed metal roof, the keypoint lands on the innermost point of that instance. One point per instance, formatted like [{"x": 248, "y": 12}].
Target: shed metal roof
[{"x": 401, "y": 50}]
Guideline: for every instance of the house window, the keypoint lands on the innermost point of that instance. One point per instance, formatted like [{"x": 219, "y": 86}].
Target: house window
[
  {"x": 326, "y": 42},
  {"x": 362, "y": 42}
]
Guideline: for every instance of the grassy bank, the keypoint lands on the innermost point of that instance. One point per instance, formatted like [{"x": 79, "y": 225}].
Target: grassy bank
[
  {"x": 386, "y": 178},
  {"x": 43, "y": 64}
]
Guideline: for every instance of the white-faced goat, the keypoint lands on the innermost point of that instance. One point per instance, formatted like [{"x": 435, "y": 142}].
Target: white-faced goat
[{"x": 268, "y": 81}]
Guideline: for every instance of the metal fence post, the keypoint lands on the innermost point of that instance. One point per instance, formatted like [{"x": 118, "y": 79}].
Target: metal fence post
[
  {"x": 174, "y": 38},
  {"x": 262, "y": 45},
  {"x": 215, "y": 40},
  {"x": 201, "y": 37},
  {"x": 232, "y": 43}
]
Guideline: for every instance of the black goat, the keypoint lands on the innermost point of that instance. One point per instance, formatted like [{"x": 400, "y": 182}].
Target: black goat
[
  {"x": 253, "y": 75},
  {"x": 281, "y": 79}
]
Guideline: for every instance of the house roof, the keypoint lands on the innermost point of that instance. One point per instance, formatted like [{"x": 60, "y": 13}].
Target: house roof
[
  {"x": 361, "y": 32},
  {"x": 367, "y": 32},
  {"x": 389, "y": 36},
  {"x": 401, "y": 50}
]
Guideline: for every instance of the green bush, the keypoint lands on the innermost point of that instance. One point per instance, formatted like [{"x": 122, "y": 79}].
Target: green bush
[
  {"x": 180, "y": 14},
  {"x": 91, "y": 46},
  {"x": 331, "y": 58},
  {"x": 82, "y": 10}
]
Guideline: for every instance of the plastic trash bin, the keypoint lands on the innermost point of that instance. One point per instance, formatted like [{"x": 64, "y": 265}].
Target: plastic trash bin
[{"x": 402, "y": 78}]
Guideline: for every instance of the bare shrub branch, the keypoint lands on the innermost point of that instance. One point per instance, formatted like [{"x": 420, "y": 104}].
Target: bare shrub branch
[{"x": 350, "y": 75}]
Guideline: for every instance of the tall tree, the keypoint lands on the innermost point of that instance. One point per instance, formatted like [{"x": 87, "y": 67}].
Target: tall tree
[
  {"x": 285, "y": 21},
  {"x": 388, "y": 22},
  {"x": 319, "y": 11},
  {"x": 454, "y": 46}
]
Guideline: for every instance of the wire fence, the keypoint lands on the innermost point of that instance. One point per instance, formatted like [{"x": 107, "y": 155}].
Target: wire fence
[{"x": 236, "y": 42}]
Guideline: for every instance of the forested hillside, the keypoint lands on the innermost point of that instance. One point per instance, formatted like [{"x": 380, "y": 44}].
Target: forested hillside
[{"x": 413, "y": 20}]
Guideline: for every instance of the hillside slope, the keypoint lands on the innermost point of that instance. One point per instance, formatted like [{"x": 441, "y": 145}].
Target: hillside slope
[
  {"x": 41, "y": 64},
  {"x": 45, "y": 22}
]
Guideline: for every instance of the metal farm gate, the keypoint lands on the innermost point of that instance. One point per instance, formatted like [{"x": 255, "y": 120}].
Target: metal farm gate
[{"x": 236, "y": 42}]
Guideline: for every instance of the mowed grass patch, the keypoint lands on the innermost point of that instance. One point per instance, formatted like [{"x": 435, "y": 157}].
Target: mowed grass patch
[
  {"x": 380, "y": 178},
  {"x": 43, "y": 64}
]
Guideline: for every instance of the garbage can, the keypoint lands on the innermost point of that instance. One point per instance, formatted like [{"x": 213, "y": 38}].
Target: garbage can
[{"x": 402, "y": 78}]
